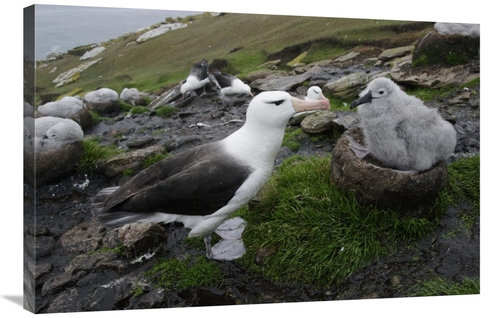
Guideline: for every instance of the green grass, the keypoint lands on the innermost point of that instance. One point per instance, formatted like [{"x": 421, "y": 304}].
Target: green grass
[
  {"x": 337, "y": 104},
  {"x": 191, "y": 272},
  {"x": 166, "y": 59},
  {"x": 440, "y": 287},
  {"x": 290, "y": 138},
  {"x": 139, "y": 110},
  {"x": 93, "y": 151},
  {"x": 96, "y": 118},
  {"x": 154, "y": 159},
  {"x": 323, "y": 51},
  {"x": 318, "y": 235},
  {"x": 124, "y": 107},
  {"x": 129, "y": 172},
  {"x": 166, "y": 111},
  {"x": 429, "y": 94}
]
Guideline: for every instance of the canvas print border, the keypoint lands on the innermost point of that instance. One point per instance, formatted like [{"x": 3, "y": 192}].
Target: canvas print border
[{"x": 286, "y": 240}]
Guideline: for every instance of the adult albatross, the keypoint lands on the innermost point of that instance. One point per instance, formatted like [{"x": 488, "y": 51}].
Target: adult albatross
[
  {"x": 201, "y": 187},
  {"x": 197, "y": 78},
  {"x": 230, "y": 84}
]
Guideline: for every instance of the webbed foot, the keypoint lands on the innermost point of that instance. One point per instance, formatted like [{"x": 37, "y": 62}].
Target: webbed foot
[{"x": 359, "y": 150}]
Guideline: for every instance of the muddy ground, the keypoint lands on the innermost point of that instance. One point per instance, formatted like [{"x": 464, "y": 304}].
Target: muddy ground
[{"x": 65, "y": 204}]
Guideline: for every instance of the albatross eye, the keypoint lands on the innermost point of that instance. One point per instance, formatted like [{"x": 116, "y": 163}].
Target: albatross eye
[{"x": 278, "y": 102}]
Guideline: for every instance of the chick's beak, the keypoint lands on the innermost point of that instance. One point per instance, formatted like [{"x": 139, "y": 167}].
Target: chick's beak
[{"x": 367, "y": 98}]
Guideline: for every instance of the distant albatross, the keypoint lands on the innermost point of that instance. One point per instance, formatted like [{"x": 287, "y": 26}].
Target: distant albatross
[
  {"x": 197, "y": 78},
  {"x": 230, "y": 84},
  {"x": 201, "y": 187},
  {"x": 400, "y": 131},
  {"x": 315, "y": 93}
]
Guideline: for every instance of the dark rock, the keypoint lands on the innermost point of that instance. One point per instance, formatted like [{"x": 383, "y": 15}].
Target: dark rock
[
  {"x": 38, "y": 230},
  {"x": 53, "y": 164},
  {"x": 66, "y": 302},
  {"x": 213, "y": 297},
  {"x": 140, "y": 238},
  {"x": 83, "y": 118},
  {"x": 83, "y": 238},
  {"x": 113, "y": 166},
  {"x": 107, "y": 109},
  {"x": 38, "y": 270},
  {"x": 395, "y": 52},
  {"x": 345, "y": 122},
  {"x": 297, "y": 119},
  {"x": 156, "y": 299},
  {"x": 39, "y": 247},
  {"x": 383, "y": 186},
  {"x": 441, "y": 49},
  {"x": 92, "y": 262},
  {"x": 139, "y": 142},
  {"x": 319, "y": 122},
  {"x": 174, "y": 143},
  {"x": 60, "y": 282}
]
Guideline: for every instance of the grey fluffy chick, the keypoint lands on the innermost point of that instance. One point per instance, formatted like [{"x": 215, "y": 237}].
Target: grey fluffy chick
[{"x": 400, "y": 131}]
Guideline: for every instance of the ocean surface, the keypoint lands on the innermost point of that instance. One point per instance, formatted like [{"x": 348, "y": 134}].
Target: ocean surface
[{"x": 60, "y": 28}]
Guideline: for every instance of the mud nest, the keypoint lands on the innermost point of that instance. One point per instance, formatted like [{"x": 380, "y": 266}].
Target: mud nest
[{"x": 384, "y": 187}]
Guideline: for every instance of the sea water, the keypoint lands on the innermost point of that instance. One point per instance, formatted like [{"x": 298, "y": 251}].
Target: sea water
[{"x": 61, "y": 28}]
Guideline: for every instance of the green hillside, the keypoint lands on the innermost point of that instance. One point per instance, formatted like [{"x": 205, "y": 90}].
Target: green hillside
[{"x": 245, "y": 41}]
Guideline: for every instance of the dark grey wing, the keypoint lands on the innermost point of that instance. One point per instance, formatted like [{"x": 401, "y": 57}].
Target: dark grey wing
[
  {"x": 200, "y": 70},
  {"x": 224, "y": 80},
  {"x": 191, "y": 188}
]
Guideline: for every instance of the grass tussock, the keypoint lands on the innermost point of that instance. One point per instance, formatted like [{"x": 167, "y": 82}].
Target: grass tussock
[
  {"x": 442, "y": 287},
  {"x": 314, "y": 233},
  {"x": 166, "y": 111},
  {"x": 191, "y": 272},
  {"x": 93, "y": 151}
]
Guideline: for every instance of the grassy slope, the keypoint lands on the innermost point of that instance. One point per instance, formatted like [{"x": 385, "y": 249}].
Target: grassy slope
[{"x": 168, "y": 58}]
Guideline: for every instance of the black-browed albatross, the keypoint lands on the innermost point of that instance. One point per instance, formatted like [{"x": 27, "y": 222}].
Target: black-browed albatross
[
  {"x": 201, "y": 187},
  {"x": 197, "y": 78},
  {"x": 230, "y": 84}
]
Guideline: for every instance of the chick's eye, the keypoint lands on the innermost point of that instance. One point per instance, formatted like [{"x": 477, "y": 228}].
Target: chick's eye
[{"x": 381, "y": 92}]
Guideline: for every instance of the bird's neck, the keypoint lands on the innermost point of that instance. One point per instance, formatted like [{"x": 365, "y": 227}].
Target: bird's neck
[{"x": 252, "y": 143}]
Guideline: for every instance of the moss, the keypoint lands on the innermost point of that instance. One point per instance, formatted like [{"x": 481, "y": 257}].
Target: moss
[
  {"x": 422, "y": 60},
  {"x": 455, "y": 58},
  {"x": 154, "y": 159},
  {"x": 93, "y": 151},
  {"x": 166, "y": 111},
  {"x": 138, "y": 291},
  {"x": 191, "y": 272},
  {"x": 117, "y": 250},
  {"x": 129, "y": 172},
  {"x": 124, "y": 107},
  {"x": 139, "y": 110},
  {"x": 96, "y": 118}
]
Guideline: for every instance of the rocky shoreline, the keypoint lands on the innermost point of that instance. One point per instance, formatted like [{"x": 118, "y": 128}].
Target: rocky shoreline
[{"x": 70, "y": 263}]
